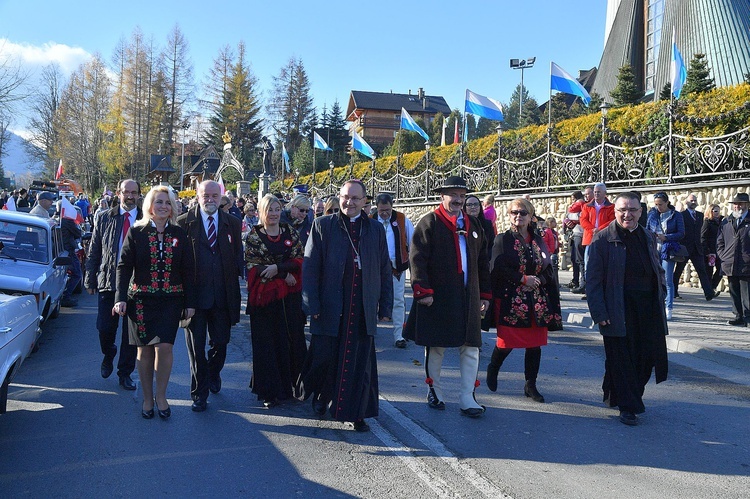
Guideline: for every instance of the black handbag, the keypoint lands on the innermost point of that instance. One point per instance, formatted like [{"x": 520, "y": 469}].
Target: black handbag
[{"x": 680, "y": 255}]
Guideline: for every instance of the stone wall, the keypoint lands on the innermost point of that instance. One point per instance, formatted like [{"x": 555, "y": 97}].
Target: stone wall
[{"x": 556, "y": 205}]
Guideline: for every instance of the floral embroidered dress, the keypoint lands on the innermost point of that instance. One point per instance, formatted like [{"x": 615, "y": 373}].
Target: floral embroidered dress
[
  {"x": 157, "y": 281},
  {"x": 522, "y": 315}
]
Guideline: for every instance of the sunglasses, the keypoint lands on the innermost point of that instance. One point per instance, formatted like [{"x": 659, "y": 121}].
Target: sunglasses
[
  {"x": 523, "y": 213},
  {"x": 304, "y": 210},
  {"x": 334, "y": 210}
]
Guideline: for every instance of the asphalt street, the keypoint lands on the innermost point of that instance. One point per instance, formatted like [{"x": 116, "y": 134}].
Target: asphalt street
[{"x": 70, "y": 433}]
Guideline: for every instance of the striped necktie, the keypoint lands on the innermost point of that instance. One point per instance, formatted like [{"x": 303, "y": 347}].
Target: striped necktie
[{"x": 211, "y": 232}]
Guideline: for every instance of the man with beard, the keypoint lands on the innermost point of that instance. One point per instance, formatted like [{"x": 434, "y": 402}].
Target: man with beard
[
  {"x": 733, "y": 249},
  {"x": 692, "y": 241},
  {"x": 347, "y": 280},
  {"x": 216, "y": 239},
  {"x": 450, "y": 278},
  {"x": 625, "y": 290},
  {"x": 101, "y": 275}
]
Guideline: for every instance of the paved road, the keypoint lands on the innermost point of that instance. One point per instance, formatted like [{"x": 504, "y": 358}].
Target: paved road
[{"x": 69, "y": 433}]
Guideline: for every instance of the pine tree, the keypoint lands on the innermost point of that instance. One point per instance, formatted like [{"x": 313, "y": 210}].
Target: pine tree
[
  {"x": 626, "y": 92},
  {"x": 291, "y": 109},
  {"x": 666, "y": 91},
  {"x": 698, "y": 76},
  {"x": 339, "y": 134}
]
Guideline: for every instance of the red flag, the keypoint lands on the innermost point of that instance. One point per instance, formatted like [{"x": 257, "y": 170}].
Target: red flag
[
  {"x": 59, "y": 170},
  {"x": 67, "y": 210},
  {"x": 455, "y": 131}
]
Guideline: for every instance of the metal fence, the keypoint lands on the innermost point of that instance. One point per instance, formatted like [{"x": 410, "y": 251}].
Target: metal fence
[{"x": 672, "y": 158}]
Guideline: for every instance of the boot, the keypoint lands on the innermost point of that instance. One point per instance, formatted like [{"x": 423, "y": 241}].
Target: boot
[
  {"x": 493, "y": 368},
  {"x": 530, "y": 391},
  {"x": 433, "y": 363},
  {"x": 469, "y": 366}
]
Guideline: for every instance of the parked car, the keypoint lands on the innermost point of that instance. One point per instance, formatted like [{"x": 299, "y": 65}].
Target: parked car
[
  {"x": 19, "y": 331},
  {"x": 32, "y": 260}
]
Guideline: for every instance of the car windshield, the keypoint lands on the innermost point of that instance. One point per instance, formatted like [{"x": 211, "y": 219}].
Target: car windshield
[{"x": 21, "y": 242}]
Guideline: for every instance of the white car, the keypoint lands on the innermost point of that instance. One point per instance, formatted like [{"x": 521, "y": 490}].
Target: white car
[
  {"x": 19, "y": 331},
  {"x": 32, "y": 260}
]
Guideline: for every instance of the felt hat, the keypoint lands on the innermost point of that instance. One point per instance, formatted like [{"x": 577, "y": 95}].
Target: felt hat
[{"x": 453, "y": 182}]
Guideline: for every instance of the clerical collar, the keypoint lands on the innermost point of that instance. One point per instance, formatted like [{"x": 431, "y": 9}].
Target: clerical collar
[
  {"x": 628, "y": 230},
  {"x": 354, "y": 218}
]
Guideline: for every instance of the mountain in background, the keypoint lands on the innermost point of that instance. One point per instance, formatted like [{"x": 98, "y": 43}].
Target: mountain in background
[{"x": 15, "y": 160}]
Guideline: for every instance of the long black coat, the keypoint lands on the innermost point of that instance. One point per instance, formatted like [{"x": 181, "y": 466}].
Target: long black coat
[
  {"x": 733, "y": 247},
  {"x": 454, "y": 317},
  {"x": 323, "y": 274},
  {"x": 229, "y": 240}
]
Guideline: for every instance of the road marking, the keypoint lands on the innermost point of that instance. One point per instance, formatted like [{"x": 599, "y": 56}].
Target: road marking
[
  {"x": 463, "y": 470},
  {"x": 64, "y": 390}
]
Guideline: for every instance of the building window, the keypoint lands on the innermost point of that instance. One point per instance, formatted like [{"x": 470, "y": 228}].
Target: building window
[{"x": 654, "y": 18}]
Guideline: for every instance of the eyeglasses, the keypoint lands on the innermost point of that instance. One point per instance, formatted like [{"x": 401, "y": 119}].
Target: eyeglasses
[
  {"x": 523, "y": 213},
  {"x": 304, "y": 210},
  {"x": 627, "y": 210},
  {"x": 472, "y": 205}
]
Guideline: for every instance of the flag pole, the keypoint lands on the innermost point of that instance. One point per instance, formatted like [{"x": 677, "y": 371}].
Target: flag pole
[{"x": 549, "y": 128}]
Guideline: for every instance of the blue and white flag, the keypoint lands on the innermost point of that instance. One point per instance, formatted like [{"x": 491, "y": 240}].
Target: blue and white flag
[
  {"x": 484, "y": 107},
  {"x": 319, "y": 143},
  {"x": 408, "y": 123},
  {"x": 677, "y": 71},
  {"x": 285, "y": 155},
  {"x": 359, "y": 144},
  {"x": 563, "y": 82}
]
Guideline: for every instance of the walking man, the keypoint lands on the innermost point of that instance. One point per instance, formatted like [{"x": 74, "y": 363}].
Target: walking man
[
  {"x": 451, "y": 281},
  {"x": 625, "y": 292},
  {"x": 347, "y": 280},
  {"x": 216, "y": 239},
  {"x": 692, "y": 241},
  {"x": 101, "y": 273},
  {"x": 398, "y": 234},
  {"x": 733, "y": 249}
]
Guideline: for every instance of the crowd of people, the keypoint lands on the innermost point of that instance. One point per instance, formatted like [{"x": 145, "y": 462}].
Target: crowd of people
[{"x": 340, "y": 264}]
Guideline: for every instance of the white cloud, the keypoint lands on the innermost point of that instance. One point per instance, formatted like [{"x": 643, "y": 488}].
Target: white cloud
[{"x": 35, "y": 57}]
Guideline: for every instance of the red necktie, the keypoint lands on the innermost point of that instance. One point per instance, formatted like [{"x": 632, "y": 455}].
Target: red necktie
[
  {"x": 125, "y": 225},
  {"x": 211, "y": 232}
]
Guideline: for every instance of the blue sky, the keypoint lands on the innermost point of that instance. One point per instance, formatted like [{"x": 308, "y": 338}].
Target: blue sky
[{"x": 383, "y": 45}]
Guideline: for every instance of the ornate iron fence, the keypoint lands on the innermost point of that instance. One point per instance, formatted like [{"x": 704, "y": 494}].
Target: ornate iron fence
[{"x": 669, "y": 159}]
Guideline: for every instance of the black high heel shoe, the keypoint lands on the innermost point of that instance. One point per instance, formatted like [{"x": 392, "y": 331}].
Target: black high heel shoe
[
  {"x": 165, "y": 414},
  {"x": 147, "y": 414}
]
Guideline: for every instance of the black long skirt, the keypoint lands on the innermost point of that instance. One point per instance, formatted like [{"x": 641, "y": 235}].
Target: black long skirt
[
  {"x": 343, "y": 370},
  {"x": 631, "y": 359},
  {"x": 279, "y": 347}
]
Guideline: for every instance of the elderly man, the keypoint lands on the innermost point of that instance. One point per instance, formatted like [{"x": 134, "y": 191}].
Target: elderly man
[
  {"x": 398, "y": 233},
  {"x": 216, "y": 238},
  {"x": 347, "y": 279},
  {"x": 596, "y": 215},
  {"x": 733, "y": 249},
  {"x": 692, "y": 241},
  {"x": 625, "y": 291},
  {"x": 101, "y": 274},
  {"x": 450, "y": 277},
  {"x": 43, "y": 203}
]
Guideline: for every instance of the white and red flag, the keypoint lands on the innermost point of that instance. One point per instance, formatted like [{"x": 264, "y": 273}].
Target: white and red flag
[
  {"x": 67, "y": 210},
  {"x": 59, "y": 170}
]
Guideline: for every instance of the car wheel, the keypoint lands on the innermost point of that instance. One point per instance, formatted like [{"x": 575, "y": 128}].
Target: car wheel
[
  {"x": 55, "y": 311},
  {"x": 4, "y": 392}
]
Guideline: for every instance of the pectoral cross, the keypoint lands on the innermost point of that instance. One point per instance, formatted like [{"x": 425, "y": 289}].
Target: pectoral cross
[{"x": 358, "y": 262}]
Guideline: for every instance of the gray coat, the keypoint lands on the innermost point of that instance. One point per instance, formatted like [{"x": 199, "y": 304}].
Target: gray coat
[
  {"x": 101, "y": 262},
  {"x": 323, "y": 273},
  {"x": 733, "y": 247},
  {"x": 605, "y": 280}
]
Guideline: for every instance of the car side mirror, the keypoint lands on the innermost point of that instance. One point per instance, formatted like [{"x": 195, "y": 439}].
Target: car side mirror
[{"x": 62, "y": 260}]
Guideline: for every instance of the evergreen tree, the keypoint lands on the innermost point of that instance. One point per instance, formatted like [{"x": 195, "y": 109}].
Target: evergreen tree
[
  {"x": 666, "y": 91},
  {"x": 698, "y": 76},
  {"x": 626, "y": 92},
  {"x": 291, "y": 109},
  {"x": 178, "y": 72},
  {"x": 303, "y": 158},
  {"x": 339, "y": 134},
  {"x": 747, "y": 78},
  {"x": 560, "y": 110}
]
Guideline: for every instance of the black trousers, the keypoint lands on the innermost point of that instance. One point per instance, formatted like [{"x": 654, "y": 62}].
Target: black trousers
[
  {"x": 699, "y": 264},
  {"x": 714, "y": 273},
  {"x": 576, "y": 258},
  {"x": 739, "y": 291},
  {"x": 107, "y": 324},
  {"x": 213, "y": 324},
  {"x": 531, "y": 361}
]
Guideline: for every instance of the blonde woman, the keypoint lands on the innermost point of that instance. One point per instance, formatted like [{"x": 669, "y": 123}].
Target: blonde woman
[{"x": 157, "y": 257}]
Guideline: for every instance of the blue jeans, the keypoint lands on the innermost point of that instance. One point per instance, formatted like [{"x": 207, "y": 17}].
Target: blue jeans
[{"x": 669, "y": 271}]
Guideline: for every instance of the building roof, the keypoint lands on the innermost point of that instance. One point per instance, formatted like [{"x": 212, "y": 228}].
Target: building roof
[
  {"x": 388, "y": 101},
  {"x": 719, "y": 28},
  {"x": 207, "y": 162},
  {"x": 161, "y": 163}
]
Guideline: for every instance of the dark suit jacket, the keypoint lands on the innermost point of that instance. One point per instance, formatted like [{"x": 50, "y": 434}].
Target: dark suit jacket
[
  {"x": 229, "y": 241},
  {"x": 692, "y": 239}
]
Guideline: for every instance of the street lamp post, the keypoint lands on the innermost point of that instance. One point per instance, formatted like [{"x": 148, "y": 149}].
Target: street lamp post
[
  {"x": 331, "y": 166},
  {"x": 185, "y": 127},
  {"x": 521, "y": 64},
  {"x": 604, "y": 108}
]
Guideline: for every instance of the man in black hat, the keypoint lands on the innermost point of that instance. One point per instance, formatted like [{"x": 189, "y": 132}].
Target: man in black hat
[
  {"x": 451, "y": 282},
  {"x": 733, "y": 249}
]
